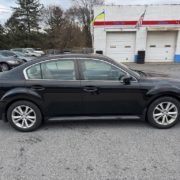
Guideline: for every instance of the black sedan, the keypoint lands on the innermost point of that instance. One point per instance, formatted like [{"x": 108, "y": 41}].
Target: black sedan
[{"x": 81, "y": 87}]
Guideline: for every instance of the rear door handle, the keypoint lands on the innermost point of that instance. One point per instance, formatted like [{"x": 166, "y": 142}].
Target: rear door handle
[
  {"x": 38, "y": 87},
  {"x": 90, "y": 89}
]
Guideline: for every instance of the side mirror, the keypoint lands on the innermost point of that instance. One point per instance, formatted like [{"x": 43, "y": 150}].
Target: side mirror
[{"x": 126, "y": 79}]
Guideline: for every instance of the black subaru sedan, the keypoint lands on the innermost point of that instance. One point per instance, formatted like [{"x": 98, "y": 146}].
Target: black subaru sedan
[{"x": 81, "y": 87}]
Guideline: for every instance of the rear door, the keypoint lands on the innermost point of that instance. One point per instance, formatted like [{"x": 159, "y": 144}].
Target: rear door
[{"x": 57, "y": 82}]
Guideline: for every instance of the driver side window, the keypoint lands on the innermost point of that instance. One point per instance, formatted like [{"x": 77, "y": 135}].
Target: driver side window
[{"x": 99, "y": 70}]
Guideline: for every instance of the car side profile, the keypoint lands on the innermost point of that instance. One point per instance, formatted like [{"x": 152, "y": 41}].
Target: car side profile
[{"x": 81, "y": 87}]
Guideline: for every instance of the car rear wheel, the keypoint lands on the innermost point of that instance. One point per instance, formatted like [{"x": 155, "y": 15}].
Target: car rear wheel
[
  {"x": 24, "y": 116},
  {"x": 164, "y": 112},
  {"x": 4, "y": 67}
]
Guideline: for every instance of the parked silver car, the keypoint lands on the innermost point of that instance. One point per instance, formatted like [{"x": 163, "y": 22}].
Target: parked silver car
[
  {"x": 17, "y": 54},
  {"x": 23, "y": 56},
  {"x": 7, "y": 63}
]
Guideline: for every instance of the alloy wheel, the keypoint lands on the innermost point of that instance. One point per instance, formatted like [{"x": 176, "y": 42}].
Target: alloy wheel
[
  {"x": 23, "y": 116},
  {"x": 165, "y": 113}
]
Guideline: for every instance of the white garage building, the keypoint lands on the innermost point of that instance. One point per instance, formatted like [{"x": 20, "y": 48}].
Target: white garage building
[{"x": 117, "y": 36}]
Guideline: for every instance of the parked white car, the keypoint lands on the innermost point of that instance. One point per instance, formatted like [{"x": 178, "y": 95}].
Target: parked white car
[
  {"x": 29, "y": 51},
  {"x": 39, "y": 51}
]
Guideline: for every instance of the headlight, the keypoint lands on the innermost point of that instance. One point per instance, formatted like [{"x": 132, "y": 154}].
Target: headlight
[{"x": 14, "y": 62}]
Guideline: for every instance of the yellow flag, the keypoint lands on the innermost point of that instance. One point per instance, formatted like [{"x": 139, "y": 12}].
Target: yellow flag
[{"x": 99, "y": 16}]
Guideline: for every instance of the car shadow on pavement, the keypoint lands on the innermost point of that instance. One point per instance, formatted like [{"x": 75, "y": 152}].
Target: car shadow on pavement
[{"x": 129, "y": 124}]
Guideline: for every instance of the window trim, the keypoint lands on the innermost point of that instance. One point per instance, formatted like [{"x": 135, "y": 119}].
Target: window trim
[
  {"x": 26, "y": 69},
  {"x": 78, "y": 70}
]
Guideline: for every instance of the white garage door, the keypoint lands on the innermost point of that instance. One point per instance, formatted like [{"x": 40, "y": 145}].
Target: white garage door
[
  {"x": 120, "y": 46},
  {"x": 161, "y": 46}
]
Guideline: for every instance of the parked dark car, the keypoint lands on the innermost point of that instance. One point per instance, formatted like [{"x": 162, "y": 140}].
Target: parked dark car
[
  {"x": 7, "y": 63},
  {"x": 80, "y": 87}
]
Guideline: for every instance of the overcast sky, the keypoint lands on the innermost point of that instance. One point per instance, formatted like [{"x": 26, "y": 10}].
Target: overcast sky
[{"x": 5, "y": 5}]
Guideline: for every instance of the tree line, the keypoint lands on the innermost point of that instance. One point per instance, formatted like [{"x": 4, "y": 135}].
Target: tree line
[{"x": 33, "y": 25}]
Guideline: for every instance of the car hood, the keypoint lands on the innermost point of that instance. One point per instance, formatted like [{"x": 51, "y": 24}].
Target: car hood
[
  {"x": 150, "y": 73},
  {"x": 154, "y": 74},
  {"x": 159, "y": 78},
  {"x": 162, "y": 79}
]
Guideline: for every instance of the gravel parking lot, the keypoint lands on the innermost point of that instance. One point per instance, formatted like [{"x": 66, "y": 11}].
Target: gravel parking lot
[{"x": 98, "y": 150}]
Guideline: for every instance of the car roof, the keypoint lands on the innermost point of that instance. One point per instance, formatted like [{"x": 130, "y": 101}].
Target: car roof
[
  {"x": 70, "y": 55},
  {"x": 51, "y": 57}
]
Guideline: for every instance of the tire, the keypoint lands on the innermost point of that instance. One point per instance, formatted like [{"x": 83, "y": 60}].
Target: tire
[
  {"x": 4, "y": 67},
  {"x": 164, "y": 112},
  {"x": 27, "y": 122}
]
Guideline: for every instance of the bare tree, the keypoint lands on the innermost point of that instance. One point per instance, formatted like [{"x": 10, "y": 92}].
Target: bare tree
[{"x": 83, "y": 9}]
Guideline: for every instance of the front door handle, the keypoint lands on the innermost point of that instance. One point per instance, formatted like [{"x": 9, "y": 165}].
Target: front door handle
[
  {"x": 90, "y": 89},
  {"x": 37, "y": 87}
]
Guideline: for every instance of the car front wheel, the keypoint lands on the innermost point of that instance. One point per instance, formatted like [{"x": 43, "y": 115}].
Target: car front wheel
[
  {"x": 4, "y": 67},
  {"x": 164, "y": 113},
  {"x": 24, "y": 116}
]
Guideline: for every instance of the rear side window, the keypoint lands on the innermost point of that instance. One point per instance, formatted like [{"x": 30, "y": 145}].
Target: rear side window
[
  {"x": 55, "y": 70},
  {"x": 58, "y": 70},
  {"x": 34, "y": 72}
]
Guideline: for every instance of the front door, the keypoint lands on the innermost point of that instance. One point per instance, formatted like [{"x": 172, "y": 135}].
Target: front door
[{"x": 103, "y": 91}]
